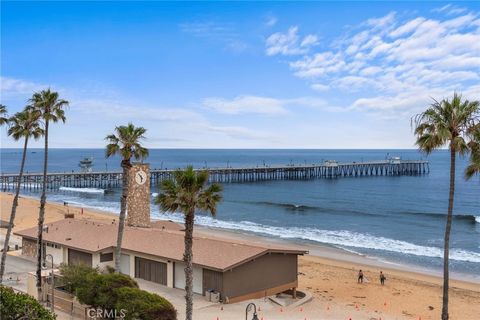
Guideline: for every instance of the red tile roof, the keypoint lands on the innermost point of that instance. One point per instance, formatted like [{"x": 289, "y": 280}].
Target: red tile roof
[{"x": 168, "y": 243}]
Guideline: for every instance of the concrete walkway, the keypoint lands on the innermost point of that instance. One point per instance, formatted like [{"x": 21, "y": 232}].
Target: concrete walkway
[{"x": 175, "y": 296}]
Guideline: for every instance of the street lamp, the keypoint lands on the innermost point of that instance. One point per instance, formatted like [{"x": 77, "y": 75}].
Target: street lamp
[
  {"x": 52, "y": 303},
  {"x": 249, "y": 307}
]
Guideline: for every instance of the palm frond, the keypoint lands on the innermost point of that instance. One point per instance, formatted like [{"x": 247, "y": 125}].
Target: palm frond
[
  {"x": 125, "y": 141},
  {"x": 188, "y": 191},
  {"x": 446, "y": 122},
  {"x": 3, "y": 115},
  {"x": 25, "y": 124}
]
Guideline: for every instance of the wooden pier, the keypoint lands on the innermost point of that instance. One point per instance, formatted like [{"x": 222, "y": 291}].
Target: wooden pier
[{"x": 329, "y": 169}]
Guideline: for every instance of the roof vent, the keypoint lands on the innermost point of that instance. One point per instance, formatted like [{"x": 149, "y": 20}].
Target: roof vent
[{"x": 68, "y": 239}]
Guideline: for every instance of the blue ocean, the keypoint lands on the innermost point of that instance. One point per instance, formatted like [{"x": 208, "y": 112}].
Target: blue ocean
[{"x": 397, "y": 219}]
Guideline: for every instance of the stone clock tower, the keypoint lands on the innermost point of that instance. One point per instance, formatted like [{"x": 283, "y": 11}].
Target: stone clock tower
[{"x": 138, "y": 202}]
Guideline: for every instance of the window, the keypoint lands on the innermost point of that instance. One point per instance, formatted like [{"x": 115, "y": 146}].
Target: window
[
  {"x": 105, "y": 257},
  {"x": 52, "y": 245}
]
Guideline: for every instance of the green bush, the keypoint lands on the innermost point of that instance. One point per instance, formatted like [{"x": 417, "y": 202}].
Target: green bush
[
  {"x": 140, "y": 304},
  {"x": 115, "y": 291},
  {"x": 100, "y": 290},
  {"x": 73, "y": 276},
  {"x": 21, "y": 306}
]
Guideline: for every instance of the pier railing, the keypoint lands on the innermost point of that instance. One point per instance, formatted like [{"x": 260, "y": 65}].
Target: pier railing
[{"x": 33, "y": 181}]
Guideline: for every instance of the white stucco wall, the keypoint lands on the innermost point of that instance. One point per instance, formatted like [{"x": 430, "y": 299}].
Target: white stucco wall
[
  {"x": 57, "y": 255},
  {"x": 101, "y": 265}
]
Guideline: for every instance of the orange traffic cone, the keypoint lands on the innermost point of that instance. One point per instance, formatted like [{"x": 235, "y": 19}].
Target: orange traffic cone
[{"x": 301, "y": 309}]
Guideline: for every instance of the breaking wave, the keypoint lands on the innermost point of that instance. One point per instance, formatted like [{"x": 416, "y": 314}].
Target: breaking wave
[
  {"x": 82, "y": 190},
  {"x": 340, "y": 238},
  {"x": 289, "y": 206},
  {"x": 298, "y": 207}
]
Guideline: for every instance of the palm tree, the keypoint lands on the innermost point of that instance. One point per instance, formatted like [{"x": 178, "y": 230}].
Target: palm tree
[
  {"x": 51, "y": 109},
  {"x": 126, "y": 143},
  {"x": 474, "y": 144},
  {"x": 3, "y": 113},
  {"x": 188, "y": 192},
  {"x": 447, "y": 123},
  {"x": 23, "y": 125}
]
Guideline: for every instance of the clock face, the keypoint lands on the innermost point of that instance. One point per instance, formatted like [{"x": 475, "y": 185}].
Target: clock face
[{"x": 141, "y": 177}]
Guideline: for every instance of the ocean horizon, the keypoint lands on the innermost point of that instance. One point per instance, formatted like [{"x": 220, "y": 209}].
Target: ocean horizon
[{"x": 397, "y": 219}]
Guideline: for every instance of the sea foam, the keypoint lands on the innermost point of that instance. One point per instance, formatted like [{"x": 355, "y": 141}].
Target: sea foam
[
  {"x": 341, "y": 238},
  {"x": 82, "y": 190}
]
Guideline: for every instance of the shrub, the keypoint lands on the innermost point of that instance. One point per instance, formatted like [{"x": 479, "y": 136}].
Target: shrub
[
  {"x": 21, "y": 306},
  {"x": 73, "y": 276},
  {"x": 100, "y": 290},
  {"x": 140, "y": 304},
  {"x": 115, "y": 291}
]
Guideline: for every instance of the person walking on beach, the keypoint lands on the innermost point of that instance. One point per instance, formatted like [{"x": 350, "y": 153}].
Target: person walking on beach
[
  {"x": 360, "y": 276},
  {"x": 382, "y": 278}
]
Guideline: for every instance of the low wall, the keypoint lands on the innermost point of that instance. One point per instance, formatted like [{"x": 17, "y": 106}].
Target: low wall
[{"x": 67, "y": 303}]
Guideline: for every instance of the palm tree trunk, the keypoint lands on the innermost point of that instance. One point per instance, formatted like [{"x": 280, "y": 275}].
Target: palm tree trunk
[
  {"x": 447, "y": 235},
  {"x": 12, "y": 214},
  {"x": 123, "y": 211},
  {"x": 41, "y": 214},
  {"x": 187, "y": 258}
]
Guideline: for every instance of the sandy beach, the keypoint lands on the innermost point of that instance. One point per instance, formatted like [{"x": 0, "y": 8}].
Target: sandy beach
[{"x": 328, "y": 274}]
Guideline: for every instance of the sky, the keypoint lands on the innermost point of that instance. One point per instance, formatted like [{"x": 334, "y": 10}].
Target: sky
[{"x": 239, "y": 74}]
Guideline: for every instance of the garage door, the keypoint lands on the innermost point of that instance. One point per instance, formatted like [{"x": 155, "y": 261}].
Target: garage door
[
  {"x": 180, "y": 277},
  {"x": 79, "y": 257},
  {"x": 151, "y": 270}
]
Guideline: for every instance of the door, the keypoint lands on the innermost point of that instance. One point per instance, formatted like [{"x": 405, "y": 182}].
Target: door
[
  {"x": 151, "y": 270},
  {"x": 79, "y": 257},
  {"x": 125, "y": 264},
  {"x": 180, "y": 277}
]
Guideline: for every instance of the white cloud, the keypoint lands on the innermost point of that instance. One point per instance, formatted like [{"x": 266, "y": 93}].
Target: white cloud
[
  {"x": 260, "y": 105},
  {"x": 290, "y": 43},
  {"x": 392, "y": 63},
  {"x": 167, "y": 125},
  {"x": 382, "y": 22},
  {"x": 271, "y": 20},
  {"x": 450, "y": 9},
  {"x": 225, "y": 33},
  {"x": 114, "y": 109},
  {"x": 319, "y": 87},
  {"x": 10, "y": 87},
  {"x": 246, "y": 104},
  {"x": 238, "y": 132}
]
